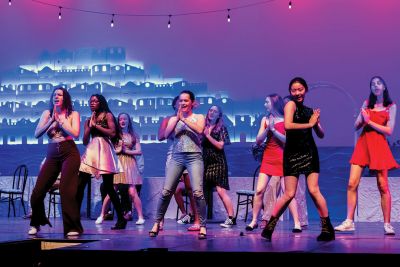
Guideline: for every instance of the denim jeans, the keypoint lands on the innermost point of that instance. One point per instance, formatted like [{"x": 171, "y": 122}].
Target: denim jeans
[{"x": 193, "y": 162}]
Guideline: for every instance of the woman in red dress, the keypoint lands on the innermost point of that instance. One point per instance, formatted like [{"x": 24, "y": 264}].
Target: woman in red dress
[
  {"x": 272, "y": 129},
  {"x": 377, "y": 118}
]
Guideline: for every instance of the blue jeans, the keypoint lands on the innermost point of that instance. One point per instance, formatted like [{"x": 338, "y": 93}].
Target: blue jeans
[{"x": 193, "y": 162}]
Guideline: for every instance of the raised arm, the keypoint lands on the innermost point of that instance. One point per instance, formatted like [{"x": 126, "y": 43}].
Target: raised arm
[
  {"x": 162, "y": 128},
  {"x": 289, "y": 110},
  {"x": 384, "y": 129},
  {"x": 44, "y": 123},
  {"x": 198, "y": 125},
  {"x": 71, "y": 127},
  {"x": 359, "y": 123},
  {"x": 135, "y": 151},
  {"x": 110, "y": 131},
  {"x": 262, "y": 131}
]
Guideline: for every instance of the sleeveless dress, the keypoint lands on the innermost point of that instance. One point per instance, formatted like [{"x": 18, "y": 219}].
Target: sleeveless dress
[
  {"x": 131, "y": 174},
  {"x": 100, "y": 157},
  {"x": 272, "y": 160},
  {"x": 300, "y": 155},
  {"x": 215, "y": 164},
  {"x": 372, "y": 148}
]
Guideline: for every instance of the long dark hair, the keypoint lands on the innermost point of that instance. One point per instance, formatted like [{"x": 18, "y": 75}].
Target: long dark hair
[
  {"x": 219, "y": 123},
  {"x": 277, "y": 104},
  {"x": 66, "y": 104},
  {"x": 131, "y": 131},
  {"x": 103, "y": 107},
  {"x": 387, "y": 101}
]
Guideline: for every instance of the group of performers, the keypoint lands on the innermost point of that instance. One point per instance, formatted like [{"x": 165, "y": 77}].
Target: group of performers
[{"x": 197, "y": 147}]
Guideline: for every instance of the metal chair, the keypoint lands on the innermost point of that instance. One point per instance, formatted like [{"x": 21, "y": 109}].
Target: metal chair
[
  {"x": 248, "y": 195},
  {"x": 54, "y": 192},
  {"x": 17, "y": 190}
]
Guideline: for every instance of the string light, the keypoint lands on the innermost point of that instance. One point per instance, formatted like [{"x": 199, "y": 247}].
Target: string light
[
  {"x": 290, "y": 4},
  {"x": 43, "y": 2}
]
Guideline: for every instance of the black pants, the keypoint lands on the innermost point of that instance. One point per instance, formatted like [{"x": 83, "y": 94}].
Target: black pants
[{"x": 61, "y": 157}]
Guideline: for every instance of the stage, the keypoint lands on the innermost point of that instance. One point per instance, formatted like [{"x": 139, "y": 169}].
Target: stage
[{"x": 100, "y": 245}]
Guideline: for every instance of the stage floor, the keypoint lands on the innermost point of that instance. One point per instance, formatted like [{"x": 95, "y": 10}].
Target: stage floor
[{"x": 100, "y": 240}]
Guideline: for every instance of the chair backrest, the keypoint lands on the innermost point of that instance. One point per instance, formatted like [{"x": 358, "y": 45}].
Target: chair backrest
[
  {"x": 20, "y": 177},
  {"x": 255, "y": 176}
]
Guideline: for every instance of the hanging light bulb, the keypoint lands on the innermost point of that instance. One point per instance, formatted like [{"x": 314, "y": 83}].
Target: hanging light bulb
[
  {"x": 169, "y": 21},
  {"x": 290, "y": 4},
  {"x": 229, "y": 16},
  {"x": 59, "y": 13},
  {"x": 9, "y": 2},
  {"x": 112, "y": 21}
]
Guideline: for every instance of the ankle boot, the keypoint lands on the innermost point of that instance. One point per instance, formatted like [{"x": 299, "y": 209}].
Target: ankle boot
[
  {"x": 121, "y": 224},
  {"x": 269, "y": 228},
  {"x": 327, "y": 231}
]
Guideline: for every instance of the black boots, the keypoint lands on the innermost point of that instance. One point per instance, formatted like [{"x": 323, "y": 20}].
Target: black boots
[
  {"x": 121, "y": 224},
  {"x": 327, "y": 231},
  {"x": 269, "y": 228}
]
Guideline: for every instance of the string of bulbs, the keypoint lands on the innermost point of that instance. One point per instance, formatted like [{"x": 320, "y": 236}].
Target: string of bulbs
[{"x": 169, "y": 16}]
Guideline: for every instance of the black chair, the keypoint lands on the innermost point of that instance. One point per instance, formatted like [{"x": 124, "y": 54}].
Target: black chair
[
  {"x": 17, "y": 190},
  {"x": 248, "y": 195},
  {"x": 54, "y": 198}
]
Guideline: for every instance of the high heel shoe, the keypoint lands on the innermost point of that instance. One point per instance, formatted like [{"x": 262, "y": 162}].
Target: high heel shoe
[
  {"x": 154, "y": 233},
  {"x": 121, "y": 224},
  {"x": 251, "y": 228},
  {"x": 202, "y": 235}
]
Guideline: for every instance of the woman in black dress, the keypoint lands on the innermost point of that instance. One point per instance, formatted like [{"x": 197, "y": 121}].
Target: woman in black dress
[
  {"x": 215, "y": 167},
  {"x": 300, "y": 156}
]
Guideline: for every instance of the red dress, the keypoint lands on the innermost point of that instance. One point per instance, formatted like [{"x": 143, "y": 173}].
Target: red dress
[
  {"x": 372, "y": 148},
  {"x": 272, "y": 161}
]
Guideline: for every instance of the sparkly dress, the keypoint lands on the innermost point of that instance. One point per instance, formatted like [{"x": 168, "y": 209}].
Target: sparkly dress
[
  {"x": 215, "y": 165},
  {"x": 100, "y": 157},
  {"x": 300, "y": 155},
  {"x": 131, "y": 173},
  {"x": 272, "y": 160},
  {"x": 372, "y": 148}
]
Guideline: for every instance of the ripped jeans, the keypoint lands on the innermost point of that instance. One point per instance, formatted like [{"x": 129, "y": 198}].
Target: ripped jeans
[{"x": 193, "y": 162}]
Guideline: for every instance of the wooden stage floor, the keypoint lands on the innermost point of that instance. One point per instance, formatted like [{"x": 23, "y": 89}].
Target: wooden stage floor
[{"x": 99, "y": 244}]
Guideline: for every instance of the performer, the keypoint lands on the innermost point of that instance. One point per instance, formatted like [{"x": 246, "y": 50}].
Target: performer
[
  {"x": 272, "y": 128},
  {"x": 377, "y": 118},
  {"x": 100, "y": 158},
  {"x": 61, "y": 124},
  {"x": 300, "y": 156},
  {"x": 186, "y": 153},
  {"x": 127, "y": 146},
  {"x": 215, "y": 166}
]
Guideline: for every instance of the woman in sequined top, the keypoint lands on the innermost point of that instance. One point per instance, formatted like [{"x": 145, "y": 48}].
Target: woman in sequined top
[
  {"x": 186, "y": 128},
  {"x": 300, "y": 156}
]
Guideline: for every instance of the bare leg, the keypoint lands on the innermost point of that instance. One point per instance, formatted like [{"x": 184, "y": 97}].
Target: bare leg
[
  {"x": 386, "y": 198},
  {"x": 354, "y": 181},
  {"x": 262, "y": 183},
  {"x": 136, "y": 201},
  {"x": 226, "y": 200}
]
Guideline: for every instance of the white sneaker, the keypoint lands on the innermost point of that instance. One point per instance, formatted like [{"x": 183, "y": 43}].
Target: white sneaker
[
  {"x": 227, "y": 224},
  {"x": 346, "y": 226},
  {"x": 34, "y": 230},
  {"x": 140, "y": 221},
  {"x": 184, "y": 219},
  {"x": 99, "y": 220},
  {"x": 389, "y": 230}
]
